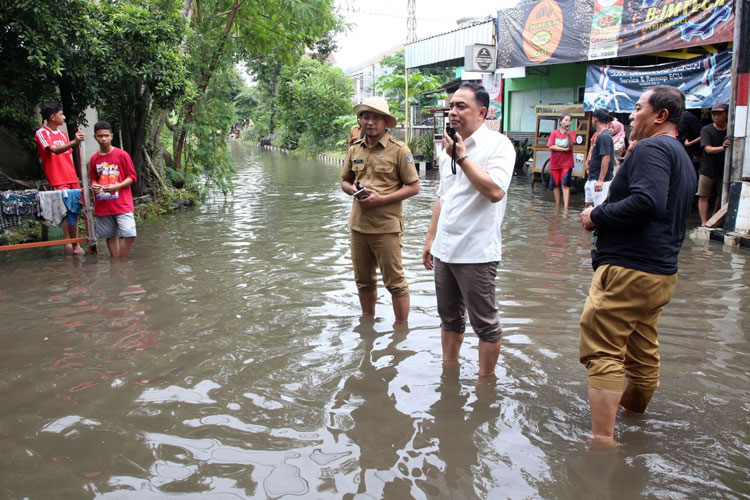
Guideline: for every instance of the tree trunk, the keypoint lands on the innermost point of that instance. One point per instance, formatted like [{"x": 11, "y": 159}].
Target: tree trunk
[
  {"x": 206, "y": 79},
  {"x": 67, "y": 102}
]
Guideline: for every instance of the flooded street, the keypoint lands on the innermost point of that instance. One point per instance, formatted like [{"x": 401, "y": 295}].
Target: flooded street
[{"x": 226, "y": 359}]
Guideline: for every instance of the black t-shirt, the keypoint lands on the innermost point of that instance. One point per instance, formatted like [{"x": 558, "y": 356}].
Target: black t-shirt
[
  {"x": 712, "y": 164},
  {"x": 602, "y": 146},
  {"x": 643, "y": 223},
  {"x": 689, "y": 128}
]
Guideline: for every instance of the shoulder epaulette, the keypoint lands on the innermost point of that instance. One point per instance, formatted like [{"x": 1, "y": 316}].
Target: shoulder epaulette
[{"x": 396, "y": 141}]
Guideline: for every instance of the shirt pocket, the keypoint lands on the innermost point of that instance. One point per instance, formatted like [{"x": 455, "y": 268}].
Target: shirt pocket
[{"x": 384, "y": 169}]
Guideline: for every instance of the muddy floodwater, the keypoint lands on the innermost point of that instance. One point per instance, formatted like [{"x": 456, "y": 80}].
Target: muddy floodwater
[{"x": 227, "y": 359}]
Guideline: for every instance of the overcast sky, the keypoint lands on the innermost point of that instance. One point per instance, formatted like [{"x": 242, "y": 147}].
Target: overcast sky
[{"x": 378, "y": 25}]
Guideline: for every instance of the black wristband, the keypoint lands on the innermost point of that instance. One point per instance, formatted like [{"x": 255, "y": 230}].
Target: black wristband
[{"x": 461, "y": 159}]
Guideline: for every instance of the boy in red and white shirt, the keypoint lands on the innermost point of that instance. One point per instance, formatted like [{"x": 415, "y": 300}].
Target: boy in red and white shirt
[
  {"x": 56, "y": 153},
  {"x": 112, "y": 173}
]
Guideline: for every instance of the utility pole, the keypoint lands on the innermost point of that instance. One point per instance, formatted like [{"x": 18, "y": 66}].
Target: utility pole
[
  {"x": 411, "y": 37},
  {"x": 738, "y": 163}
]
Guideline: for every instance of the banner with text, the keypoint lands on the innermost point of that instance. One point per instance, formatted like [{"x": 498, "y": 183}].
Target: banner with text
[
  {"x": 703, "y": 80},
  {"x": 562, "y": 31}
]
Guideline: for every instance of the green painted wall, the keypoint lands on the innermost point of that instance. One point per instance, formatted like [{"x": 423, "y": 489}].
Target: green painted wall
[{"x": 559, "y": 76}]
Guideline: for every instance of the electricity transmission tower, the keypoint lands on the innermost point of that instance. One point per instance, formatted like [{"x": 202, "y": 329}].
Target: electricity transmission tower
[{"x": 411, "y": 21}]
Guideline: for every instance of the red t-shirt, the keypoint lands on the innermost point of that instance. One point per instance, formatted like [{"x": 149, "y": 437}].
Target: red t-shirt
[
  {"x": 112, "y": 168},
  {"x": 58, "y": 168},
  {"x": 561, "y": 159}
]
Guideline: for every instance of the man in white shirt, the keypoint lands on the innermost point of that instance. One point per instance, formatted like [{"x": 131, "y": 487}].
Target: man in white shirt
[{"x": 463, "y": 243}]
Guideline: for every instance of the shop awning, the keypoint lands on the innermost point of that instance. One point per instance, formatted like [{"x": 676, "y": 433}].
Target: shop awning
[{"x": 448, "y": 49}]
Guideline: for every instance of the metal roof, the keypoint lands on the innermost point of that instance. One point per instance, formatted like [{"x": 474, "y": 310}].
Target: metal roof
[{"x": 448, "y": 47}]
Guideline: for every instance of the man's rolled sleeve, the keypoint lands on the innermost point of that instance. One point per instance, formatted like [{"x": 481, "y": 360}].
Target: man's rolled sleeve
[
  {"x": 407, "y": 171},
  {"x": 500, "y": 165}
]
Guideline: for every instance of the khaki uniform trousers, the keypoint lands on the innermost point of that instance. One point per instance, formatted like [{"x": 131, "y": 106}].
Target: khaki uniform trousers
[{"x": 618, "y": 327}]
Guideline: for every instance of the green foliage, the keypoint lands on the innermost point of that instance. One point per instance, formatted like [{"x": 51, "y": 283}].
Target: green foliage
[
  {"x": 311, "y": 96},
  {"x": 344, "y": 124},
  {"x": 523, "y": 153},
  {"x": 29, "y": 231},
  {"x": 392, "y": 86},
  {"x": 41, "y": 52},
  {"x": 422, "y": 145},
  {"x": 141, "y": 62},
  {"x": 166, "y": 202}
]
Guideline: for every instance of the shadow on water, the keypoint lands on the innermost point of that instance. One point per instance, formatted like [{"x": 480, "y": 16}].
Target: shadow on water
[{"x": 227, "y": 359}]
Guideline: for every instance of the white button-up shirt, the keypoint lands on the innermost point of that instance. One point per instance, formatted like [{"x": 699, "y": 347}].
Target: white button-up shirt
[{"x": 468, "y": 230}]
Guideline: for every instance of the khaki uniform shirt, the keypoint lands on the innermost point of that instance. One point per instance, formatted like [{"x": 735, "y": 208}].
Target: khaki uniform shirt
[{"x": 384, "y": 168}]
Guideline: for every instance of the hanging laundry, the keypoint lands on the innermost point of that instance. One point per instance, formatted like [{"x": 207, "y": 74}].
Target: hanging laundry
[
  {"x": 72, "y": 200},
  {"x": 51, "y": 206},
  {"x": 20, "y": 202}
]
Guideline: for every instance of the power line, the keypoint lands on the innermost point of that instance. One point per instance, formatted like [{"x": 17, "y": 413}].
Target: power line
[{"x": 353, "y": 11}]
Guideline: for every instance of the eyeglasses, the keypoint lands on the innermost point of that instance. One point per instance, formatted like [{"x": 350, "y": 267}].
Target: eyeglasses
[{"x": 371, "y": 117}]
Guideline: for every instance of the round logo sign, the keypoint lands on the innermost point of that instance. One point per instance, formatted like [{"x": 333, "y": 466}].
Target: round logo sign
[{"x": 483, "y": 59}]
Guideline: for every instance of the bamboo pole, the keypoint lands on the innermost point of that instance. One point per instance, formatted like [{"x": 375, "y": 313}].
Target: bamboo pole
[
  {"x": 37, "y": 244},
  {"x": 406, "y": 105},
  {"x": 88, "y": 218}
]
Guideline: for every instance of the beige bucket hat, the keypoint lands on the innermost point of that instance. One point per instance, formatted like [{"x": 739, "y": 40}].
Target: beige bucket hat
[{"x": 376, "y": 105}]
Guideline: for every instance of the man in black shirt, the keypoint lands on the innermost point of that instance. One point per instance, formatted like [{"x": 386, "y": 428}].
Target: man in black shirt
[
  {"x": 714, "y": 142},
  {"x": 689, "y": 134},
  {"x": 601, "y": 161},
  {"x": 639, "y": 232}
]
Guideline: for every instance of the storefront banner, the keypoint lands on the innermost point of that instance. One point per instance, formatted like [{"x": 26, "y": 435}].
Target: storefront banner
[
  {"x": 605, "y": 25},
  {"x": 658, "y": 25},
  {"x": 564, "y": 31},
  {"x": 493, "y": 84},
  {"x": 542, "y": 32},
  {"x": 703, "y": 80}
]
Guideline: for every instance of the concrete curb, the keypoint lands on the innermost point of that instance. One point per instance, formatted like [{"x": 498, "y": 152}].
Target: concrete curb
[
  {"x": 729, "y": 238},
  {"x": 331, "y": 159}
]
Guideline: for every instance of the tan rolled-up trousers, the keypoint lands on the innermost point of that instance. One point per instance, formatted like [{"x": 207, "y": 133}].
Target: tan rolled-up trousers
[{"x": 618, "y": 327}]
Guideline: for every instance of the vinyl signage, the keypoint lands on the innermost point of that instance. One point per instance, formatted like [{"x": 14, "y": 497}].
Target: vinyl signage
[
  {"x": 563, "y": 31},
  {"x": 704, "y": 81}
]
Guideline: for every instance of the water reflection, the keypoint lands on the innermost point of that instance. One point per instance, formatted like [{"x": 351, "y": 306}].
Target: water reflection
[
  {"x": 365, "y": 410},
  {"x": 225, "y": 359}
]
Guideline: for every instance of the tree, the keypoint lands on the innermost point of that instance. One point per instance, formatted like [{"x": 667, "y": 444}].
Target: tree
[
  {"x": 393, "y": 85},
  {"x": 46, "y": 56},
  {"x": 279, "y": 30},
  {"x": 144, "y": 68},
  {"x": 121, "y": 56},
  {"x": 311, "y": 96}
]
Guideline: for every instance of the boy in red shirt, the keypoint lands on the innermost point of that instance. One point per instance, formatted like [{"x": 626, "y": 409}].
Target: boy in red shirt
[
  {"x": 56, "y": 153},
  {"x": 112, "y": 173}
]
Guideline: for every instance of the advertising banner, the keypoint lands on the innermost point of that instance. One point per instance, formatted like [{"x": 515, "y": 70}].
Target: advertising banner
[
  {"x": 493, "y": 84},
  {"x": 563, "y": 31},
  {"x": 703, "y": 80}
]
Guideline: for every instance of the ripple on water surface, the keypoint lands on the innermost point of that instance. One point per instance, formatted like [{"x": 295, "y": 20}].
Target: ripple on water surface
[{"x": 226, "y": 359}]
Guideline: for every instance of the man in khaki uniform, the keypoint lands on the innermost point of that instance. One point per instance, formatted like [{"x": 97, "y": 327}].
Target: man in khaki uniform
[{"x": 385, "y": 169}]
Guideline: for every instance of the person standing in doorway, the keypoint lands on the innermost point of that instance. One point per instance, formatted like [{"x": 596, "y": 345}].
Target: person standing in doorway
[
  {"x": 379, "y": 172},
  {"x": 600, "y": 161},
  {"x": 112, "y": 173},
  {"x": 561, "y": 161},
  {"x": 638, "y": 236},
  {"x": 711, "y": 172},
  {"x": 56, "y": 153},
  {"x": 464, "y": 241}
]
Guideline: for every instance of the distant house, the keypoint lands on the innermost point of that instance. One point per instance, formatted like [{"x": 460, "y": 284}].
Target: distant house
[{"x": 367, "y": 73}]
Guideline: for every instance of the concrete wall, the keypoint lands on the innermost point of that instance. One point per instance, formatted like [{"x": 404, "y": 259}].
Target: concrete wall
[{"x": 549, "y": 77}]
